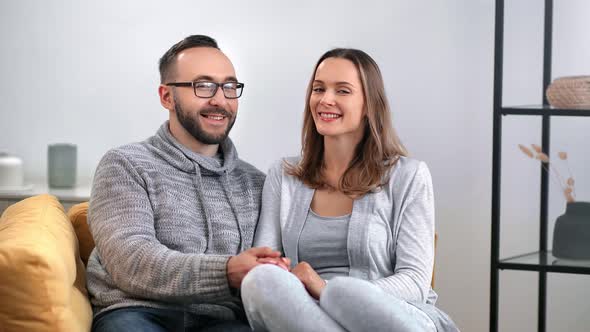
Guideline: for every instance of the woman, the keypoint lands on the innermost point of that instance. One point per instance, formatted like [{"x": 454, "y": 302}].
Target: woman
[{"x": 353, "y": 214}]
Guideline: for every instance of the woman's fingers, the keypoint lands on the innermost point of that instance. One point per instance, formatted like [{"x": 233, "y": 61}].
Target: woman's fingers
[{"x": 276, "y": 261}]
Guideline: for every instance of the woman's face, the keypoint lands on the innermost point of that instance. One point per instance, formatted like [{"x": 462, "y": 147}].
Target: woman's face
[{"x": 337, "y": 100}]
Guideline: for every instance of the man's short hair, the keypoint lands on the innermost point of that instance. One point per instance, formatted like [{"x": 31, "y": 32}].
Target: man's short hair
[{"x": 167, "y": 61}]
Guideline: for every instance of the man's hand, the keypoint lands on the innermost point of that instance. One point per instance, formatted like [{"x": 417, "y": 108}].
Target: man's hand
[
  {"x": 309, "y": 277},
  {"x": 238, "y": 266}
]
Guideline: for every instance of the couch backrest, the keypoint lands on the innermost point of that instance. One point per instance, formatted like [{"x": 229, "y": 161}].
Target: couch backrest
[{"x": 78, "y": 215}]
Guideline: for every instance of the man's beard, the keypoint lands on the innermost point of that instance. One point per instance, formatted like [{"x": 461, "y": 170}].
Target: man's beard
[{"x": 193, "y": 126}]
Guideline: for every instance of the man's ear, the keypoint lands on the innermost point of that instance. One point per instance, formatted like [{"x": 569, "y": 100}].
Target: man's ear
[{"x": 166, "y": 98}]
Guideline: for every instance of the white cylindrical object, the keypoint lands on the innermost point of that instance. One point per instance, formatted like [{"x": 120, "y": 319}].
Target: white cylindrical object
[{"x": 11, "y": 171}]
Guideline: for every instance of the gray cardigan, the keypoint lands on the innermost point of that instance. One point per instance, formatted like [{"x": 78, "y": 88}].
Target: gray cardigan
[{"x": 391, "y": 231}]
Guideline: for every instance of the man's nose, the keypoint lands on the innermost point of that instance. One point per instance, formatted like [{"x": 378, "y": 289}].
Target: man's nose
[{"x": 218, "y": 98}]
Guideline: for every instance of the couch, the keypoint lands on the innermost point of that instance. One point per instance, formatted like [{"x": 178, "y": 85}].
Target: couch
[
  {"x": 43, "y": 251},
  {"x": 43, "y": 254}
]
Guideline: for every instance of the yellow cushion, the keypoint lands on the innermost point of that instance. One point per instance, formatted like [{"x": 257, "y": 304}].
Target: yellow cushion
[
  {"x": 42, "y": 279},
  {"x": 78, "y": 215}
]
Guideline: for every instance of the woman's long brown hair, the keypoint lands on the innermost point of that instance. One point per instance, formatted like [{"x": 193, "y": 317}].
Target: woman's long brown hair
[{"x": 379, "y": 148}]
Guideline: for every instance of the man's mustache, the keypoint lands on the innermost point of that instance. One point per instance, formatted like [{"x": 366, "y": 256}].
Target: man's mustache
[{"x": 220, "y": 111}]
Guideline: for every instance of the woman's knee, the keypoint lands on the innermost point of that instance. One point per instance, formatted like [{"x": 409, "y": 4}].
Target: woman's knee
[
  {"x": 260, "y": 289},
  {"x": 264, "y": 274},
  {"x": 262, "y": 280}
]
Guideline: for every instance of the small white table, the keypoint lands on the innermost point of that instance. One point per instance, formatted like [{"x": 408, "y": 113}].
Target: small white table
[{"x": 67, "y": 196}]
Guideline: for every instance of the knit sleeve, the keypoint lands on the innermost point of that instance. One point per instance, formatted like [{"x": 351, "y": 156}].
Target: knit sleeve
[
  {"x": 414, "y": 251},
  {"x": 121, "y": 221},
  {"x": 268, "y": 231}
]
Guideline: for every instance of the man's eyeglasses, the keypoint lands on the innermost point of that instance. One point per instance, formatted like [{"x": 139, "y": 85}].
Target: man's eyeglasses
[{"x": 202, "y": 89}]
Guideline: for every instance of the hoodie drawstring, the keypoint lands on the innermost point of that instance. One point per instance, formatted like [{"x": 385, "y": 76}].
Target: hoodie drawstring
[
  {"x": 198, "y": 183},
  {"x": 225, "y": 183},
  {"x": 226, "y": 187}
]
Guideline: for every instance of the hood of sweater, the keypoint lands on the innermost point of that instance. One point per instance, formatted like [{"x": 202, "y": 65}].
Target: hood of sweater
[
  {"x": 191, "y": 162},
  {"x": 186, "y": 160}
]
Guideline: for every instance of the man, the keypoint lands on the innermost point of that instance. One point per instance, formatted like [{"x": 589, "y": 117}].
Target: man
[{"x": 171, "y": 215}]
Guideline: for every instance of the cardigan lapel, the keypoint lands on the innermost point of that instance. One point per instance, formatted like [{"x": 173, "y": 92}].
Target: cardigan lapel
[
  {"x": 296, "y": 220},
  {"x": 357, "y": 242}
]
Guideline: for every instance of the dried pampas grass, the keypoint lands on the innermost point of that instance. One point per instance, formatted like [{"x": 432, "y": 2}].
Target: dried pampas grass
[
  {"x": 526, "y": 151},
  {"x": 537, "y": 148},
  {"x": 542, "y": 157},
  {"x": 567, "y": 186}
]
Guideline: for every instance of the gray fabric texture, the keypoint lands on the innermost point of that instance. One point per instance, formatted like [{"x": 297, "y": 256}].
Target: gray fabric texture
[
  {"x": 322, "y": 244},
  {"x": 276, "y": 300},
  {"x": 165, "y": 221},
  {"x": 390, "y": 237}
]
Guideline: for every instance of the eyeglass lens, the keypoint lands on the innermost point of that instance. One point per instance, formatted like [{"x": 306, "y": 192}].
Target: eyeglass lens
[{"x": 208, "y": 89}]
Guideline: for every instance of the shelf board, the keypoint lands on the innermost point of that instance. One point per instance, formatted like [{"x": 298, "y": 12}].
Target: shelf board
[
  {"x": 546, "y": 262},
  {"x": 543, "y": 110},
  {"x": 80, "y": 193}
]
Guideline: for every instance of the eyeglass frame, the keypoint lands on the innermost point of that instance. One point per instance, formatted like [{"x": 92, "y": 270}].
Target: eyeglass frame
[{"x": 239, "y": 85}]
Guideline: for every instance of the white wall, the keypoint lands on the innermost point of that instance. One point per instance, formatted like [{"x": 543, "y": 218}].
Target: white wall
[{"x": 86, "y": 73}]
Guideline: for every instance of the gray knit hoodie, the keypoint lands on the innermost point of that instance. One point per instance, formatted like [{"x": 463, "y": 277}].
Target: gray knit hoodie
[{"x": 165, "y": 221}]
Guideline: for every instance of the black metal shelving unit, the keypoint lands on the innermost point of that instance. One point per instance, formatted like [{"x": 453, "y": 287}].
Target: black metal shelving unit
[{"x": 541, "y": 261}]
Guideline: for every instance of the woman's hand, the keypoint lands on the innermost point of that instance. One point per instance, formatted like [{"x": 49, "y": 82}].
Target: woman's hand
[
  {"x": 282, "y": 262},
  {"x": 309, "y": 277}
]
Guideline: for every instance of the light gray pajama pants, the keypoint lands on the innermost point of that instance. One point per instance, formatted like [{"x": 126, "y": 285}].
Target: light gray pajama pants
[{"x": 275, "y": 300}]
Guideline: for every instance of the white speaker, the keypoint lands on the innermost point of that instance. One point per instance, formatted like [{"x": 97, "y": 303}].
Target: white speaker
[{"x": 11, "y": 172}]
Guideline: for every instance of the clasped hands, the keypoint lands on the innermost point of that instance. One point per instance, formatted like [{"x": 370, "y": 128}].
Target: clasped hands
[
  {"x": 303, "y": 271},
  {"x": 238, "y": 266}
]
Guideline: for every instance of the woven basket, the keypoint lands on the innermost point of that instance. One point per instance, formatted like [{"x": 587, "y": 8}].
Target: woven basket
[{"x": 570, "y": 92}]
